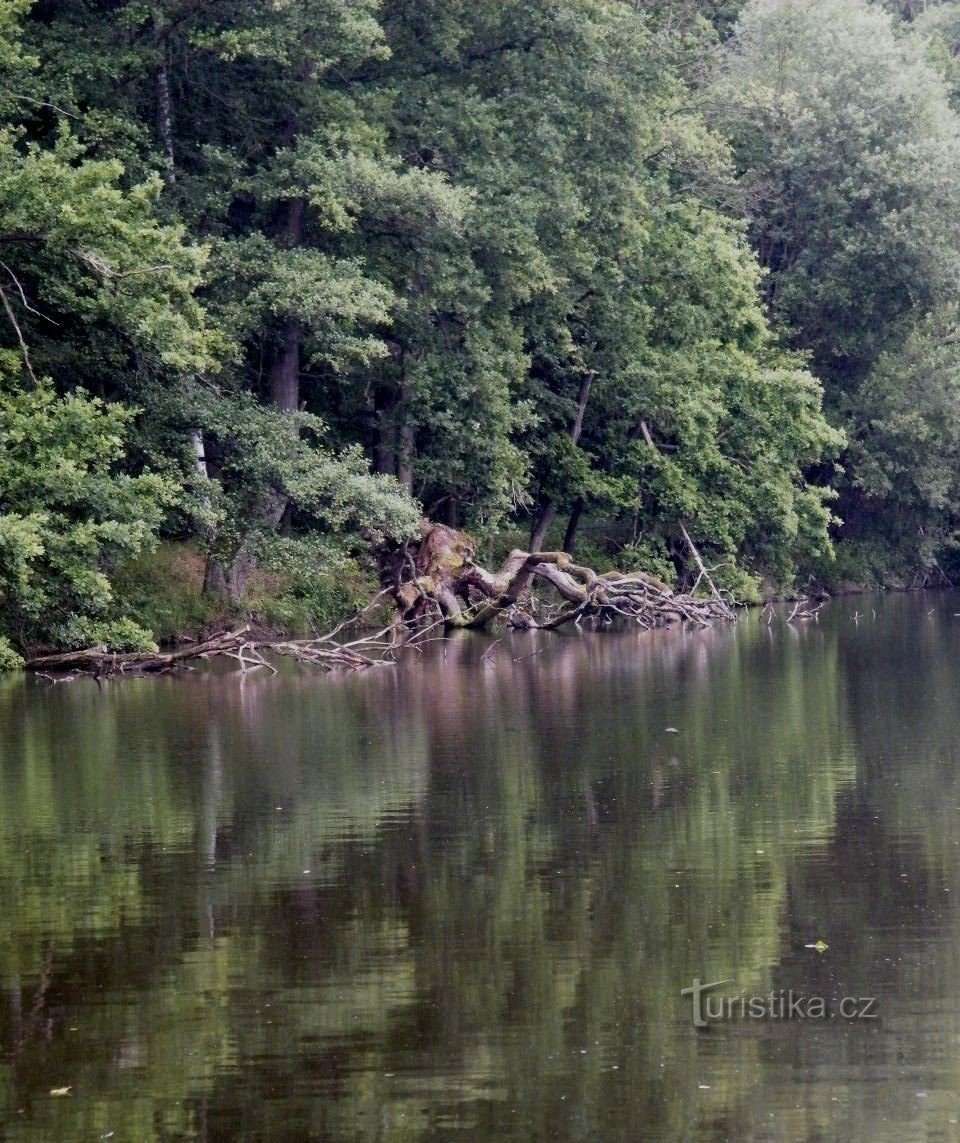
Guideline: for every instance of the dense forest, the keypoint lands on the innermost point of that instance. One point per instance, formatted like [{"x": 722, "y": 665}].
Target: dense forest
[{"x": 280, "y": 278}]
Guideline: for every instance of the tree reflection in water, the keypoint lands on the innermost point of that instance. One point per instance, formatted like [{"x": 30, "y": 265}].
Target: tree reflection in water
[{"x": 462, "y": 896}]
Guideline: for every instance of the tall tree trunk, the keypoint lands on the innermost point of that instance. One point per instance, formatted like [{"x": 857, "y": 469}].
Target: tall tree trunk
[
  {"x": 384, "y": 456},
  {"x": 570, "y": 536},
  {"x": 229, "y": 581},
  {"x": 165, "y": 129},
  {"x": 164, "y": 102},
  {"x": 199, "y": 453},
  {"x": 165, "y": 124},
  {"x": 385, "y": 449},
  {"x": 216, "y": 577},
  {"x": 405, "y": 457},
  {"x": 395, "y": 449},
  {"x": 285, "y": 373},
  {"x": 406, "y": 434},
  {"x": 548, "y": 511}
]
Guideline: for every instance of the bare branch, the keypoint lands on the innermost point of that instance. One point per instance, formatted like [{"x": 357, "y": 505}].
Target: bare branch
[
  {"x": 16, "y": 325},
  {"x": 23, "y": 296}
]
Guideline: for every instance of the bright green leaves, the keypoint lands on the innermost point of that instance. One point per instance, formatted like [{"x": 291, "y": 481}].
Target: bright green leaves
[
  {"x": 94, "y": 259},
  {"x": 67, "y": 516},
  {"x": 263, "y": 456},
  {"x": 573, "y": 129},
  {"x": 335, "y": 300},
  {"x": 14, "y": 61},
  {"x": 336, "y": 32},
  {"x": 268, "y": 154}
]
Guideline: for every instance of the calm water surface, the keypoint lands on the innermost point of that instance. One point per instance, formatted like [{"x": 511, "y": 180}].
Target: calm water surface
[{"x": 459, "y": 899}]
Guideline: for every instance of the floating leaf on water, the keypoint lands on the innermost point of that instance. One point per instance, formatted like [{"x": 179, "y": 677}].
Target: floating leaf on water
[{"x": 57, "y": 1091}]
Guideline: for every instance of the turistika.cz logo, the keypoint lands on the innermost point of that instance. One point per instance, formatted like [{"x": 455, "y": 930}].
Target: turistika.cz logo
[{"x": 783, "y": 1004}]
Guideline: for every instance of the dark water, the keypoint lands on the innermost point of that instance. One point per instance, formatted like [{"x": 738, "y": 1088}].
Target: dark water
[{"x": 459, "y": 899}]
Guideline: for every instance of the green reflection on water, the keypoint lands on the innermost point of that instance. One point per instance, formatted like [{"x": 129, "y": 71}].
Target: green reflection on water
[{"x": 461, "y": 897}]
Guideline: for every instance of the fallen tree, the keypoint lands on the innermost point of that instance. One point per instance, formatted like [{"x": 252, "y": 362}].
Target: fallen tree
[
  {"x": 438, "y": 578},
  {"x": 435, "y": 582},
  {"x": 329, "y": 652}
]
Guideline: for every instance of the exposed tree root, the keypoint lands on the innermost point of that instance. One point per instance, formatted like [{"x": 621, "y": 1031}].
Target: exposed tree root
[{"x": 438, "y": 578}]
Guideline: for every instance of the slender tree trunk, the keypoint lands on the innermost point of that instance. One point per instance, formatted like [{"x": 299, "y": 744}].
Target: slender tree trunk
[
  {"x": 385, "y": 401},
  {"x": 165, "y": 129},
  {"x": 216, "y": 578},
  {"x": 165, "y": 123},
  {"x": 548, "y": 511},
  {"x": 570, "y": 536},
  {"x": 395, "y": 449},
  {"x": 164, "y": 102},
  {"x": 165, "y": 126},
  {"x": 577, "y": 431},
  {"x": 406, "y": 434},
  {"x": 229, "y": 581},
  {"x": 285, "y": 373},
  {"x": 200, "y": 453},
  {"x": 385, "y": 451},
  {"x": 405, "y": 457}
]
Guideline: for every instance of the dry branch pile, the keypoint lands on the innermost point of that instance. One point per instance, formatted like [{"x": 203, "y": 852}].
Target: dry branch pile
[{"x": 369, "y": 650}]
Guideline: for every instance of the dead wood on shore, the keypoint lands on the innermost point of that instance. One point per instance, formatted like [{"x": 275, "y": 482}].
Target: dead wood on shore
[
  {"x": 438, "y": 578},
  {"x": 435, "y": 582}
]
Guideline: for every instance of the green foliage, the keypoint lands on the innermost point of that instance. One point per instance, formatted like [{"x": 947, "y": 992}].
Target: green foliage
[
  {"x": 109, "y": 282},
  {"x": 650, "y": 554},
  {"x": 353, "y": 262},
  {"x": 307, "y": 584},
  {"x": 849, "y": 157},
  {"x": 10, "y": 660},
  {"x": 906, "y": 455},
  {"x": 261, "y": 452},
  {"x": 68, "y": 517},
  {"x": 938, "y": 30}
]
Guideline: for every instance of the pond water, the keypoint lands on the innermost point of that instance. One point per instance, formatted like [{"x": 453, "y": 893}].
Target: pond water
[{"x": 460, "y": 898}]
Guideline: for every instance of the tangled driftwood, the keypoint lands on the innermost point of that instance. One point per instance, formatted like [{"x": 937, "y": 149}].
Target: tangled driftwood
[
  {"x": 328, "y": 652},
  {"x": 438, "y": 578}
]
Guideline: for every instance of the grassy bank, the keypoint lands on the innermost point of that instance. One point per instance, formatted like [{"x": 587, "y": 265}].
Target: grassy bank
[{"x": 164, "y": 592}]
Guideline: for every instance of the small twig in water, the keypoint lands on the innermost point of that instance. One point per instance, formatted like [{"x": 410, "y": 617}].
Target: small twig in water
[{"x": 485, "y": 657}]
